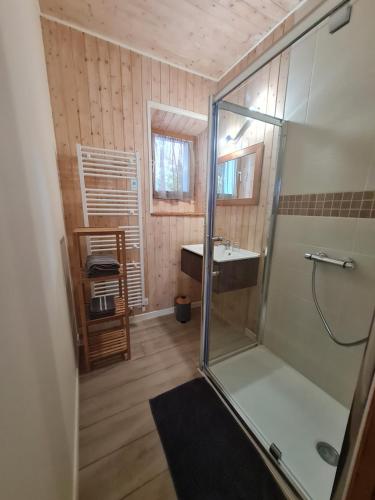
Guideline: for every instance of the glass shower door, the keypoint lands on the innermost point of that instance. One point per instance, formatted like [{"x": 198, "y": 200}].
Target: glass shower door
[
  {"x": 238, "y": 246},
  {"x": 247, "y": 146}
]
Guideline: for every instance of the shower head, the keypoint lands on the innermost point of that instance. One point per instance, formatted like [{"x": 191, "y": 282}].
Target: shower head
[{"x": 240, "y": 133}]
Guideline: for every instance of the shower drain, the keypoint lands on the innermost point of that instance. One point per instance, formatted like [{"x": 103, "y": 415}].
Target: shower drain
[{"x": 327, "y": 453}]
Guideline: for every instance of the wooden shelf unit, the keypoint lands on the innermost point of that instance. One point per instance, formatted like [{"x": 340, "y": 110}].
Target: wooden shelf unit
[{"x": 99, "y": 344}]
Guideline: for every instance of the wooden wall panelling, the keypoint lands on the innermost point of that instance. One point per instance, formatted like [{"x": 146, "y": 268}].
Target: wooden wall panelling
[
  {"x": 53, "y": 42},
  {"x": 116, "y": 95},
  {"x": 105, "y": 94},
  {"x": 127, "y": 98},
  {"x": 145, "y": 86},
  {"x": 248, "y": 225},
  {"x": 277, "y": 91},
  {"x": 181, "y": 89},
  {"x": 71, "y": 113},
  {"x": 99, "y": 94},
  {"x": 174, "y": 264},
  {"x": 190, "y": 91},
  {"x": 93, "y": 91},
  {"x": 155, "y": 85},
  {"x": 164, "y": 83},
  {"x": 154, "y": 230},
  {"x": 81, "y": 81},
  {"x": 173, "y": 86}
]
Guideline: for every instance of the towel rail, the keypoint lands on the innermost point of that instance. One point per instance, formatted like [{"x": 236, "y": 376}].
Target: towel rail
[{"x": 120, "y": 198}]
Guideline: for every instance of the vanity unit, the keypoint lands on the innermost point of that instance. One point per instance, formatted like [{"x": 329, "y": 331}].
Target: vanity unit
[{"x": 233, "y": 268}]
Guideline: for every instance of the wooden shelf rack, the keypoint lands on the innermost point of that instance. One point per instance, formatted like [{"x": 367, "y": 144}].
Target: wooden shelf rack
[{"x": 99, "y": 343}]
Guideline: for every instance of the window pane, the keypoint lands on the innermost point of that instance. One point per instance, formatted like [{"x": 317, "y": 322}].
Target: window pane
[{"x": 171, "y": 166}]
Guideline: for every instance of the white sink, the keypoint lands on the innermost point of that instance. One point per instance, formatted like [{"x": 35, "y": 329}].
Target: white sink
[{"x": 223, "y": 255}]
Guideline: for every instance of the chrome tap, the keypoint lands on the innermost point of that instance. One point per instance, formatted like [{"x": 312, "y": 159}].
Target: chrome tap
[
  {"x": 222, "y": 241},
  {"x": 227, "y": 244}
]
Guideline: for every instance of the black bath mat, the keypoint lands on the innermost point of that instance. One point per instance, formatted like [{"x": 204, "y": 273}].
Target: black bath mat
[{"x": 209, "y": 456}]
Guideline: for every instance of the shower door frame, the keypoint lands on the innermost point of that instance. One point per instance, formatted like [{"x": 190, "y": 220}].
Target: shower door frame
[
  {"x": 362, "y": 394},
  {"x": 209, "y": 244},
  {"x": 211, "y": 204}
]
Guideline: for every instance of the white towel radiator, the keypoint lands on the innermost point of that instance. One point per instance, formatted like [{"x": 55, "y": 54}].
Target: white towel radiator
[{"x": 111, "y": 195}]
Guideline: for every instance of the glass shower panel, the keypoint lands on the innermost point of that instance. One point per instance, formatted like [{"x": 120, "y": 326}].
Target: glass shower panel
[
  {"x": 290, "y": 382},
  {"x": 264, "y": 92},
  {"x": 246, "y": 154},
  {"x": 326, "y": 189},
  {"x": 235, "y": 313}
]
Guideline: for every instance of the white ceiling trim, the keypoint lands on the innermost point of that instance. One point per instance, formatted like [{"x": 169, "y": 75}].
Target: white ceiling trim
[
  {"x": 125, "y": 46},
  {"x": 262, "y": 39}
]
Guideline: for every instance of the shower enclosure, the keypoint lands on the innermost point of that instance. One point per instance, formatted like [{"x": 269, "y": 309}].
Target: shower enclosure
[{"x": 288, "y": 352}]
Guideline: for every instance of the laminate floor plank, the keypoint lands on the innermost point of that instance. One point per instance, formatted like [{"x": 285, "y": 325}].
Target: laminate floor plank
[
  {"x": 165, "y": 322},
  {"x": 101, "y": 439},
  {"x": 165, "y": 342},
  {"x": 120, "y": 398},
  {"x": 123, "y": 373},
  {"x": 121, "y": 456},
  {"x": 159, "y": 488},
  {"x": 168, "y": 329},
  {"x": 124, "y": 470}
]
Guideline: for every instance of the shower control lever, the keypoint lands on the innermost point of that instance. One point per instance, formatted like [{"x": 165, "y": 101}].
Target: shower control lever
[{"x": 322, "y": 257}]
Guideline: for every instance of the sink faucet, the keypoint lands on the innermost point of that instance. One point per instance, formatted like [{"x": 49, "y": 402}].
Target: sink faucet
[
  {"x": 227, "y": 244},
  {"x": 222, "y": 241}
]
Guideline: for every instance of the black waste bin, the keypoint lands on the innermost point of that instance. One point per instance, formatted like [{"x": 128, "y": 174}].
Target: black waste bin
[{"x": 183, "y": 308}]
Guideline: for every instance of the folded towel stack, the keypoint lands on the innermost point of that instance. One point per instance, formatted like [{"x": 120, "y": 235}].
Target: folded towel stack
[
  {"x": 102, "y": 306},
  {"x": 101, "y": 265}
]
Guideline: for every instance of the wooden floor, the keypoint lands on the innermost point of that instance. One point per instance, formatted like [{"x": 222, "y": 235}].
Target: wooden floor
[{"x": 120, "y": 452}]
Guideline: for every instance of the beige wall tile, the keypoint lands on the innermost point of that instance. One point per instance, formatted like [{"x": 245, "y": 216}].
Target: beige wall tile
[
  {"x": 293, "y": 328},
  {"x": 332, "y": 149}
]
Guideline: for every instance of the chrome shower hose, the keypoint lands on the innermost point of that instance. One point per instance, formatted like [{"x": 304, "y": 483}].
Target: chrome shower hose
[{"x": 322, "y": 317}]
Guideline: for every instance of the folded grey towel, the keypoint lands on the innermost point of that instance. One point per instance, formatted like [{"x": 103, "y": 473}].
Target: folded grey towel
[
  {"x": 100, "y": 265},
  {"x": 102, "y": 306}
]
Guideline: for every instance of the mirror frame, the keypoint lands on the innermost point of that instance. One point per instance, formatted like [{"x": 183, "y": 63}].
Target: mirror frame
[{"x": 258, "y": 150}]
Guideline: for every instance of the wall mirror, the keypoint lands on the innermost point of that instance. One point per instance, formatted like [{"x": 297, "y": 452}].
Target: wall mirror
[
  {"x": 239, "y": 175},
  {"x": 177, "y": 154}
]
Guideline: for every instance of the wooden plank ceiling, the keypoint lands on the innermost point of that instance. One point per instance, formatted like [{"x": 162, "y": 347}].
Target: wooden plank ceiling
[
  {"x": 203, "y": 36},
  {"x": 172, "y": 122}
]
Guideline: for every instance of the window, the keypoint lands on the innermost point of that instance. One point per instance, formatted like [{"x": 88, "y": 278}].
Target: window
[{"x": 173, "y": 167}]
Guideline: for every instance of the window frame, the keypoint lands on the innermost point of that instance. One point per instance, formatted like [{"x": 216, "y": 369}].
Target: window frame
[{"x": 171, "y": 208}]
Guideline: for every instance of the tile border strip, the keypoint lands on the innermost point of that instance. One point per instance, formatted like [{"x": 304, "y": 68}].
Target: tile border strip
[{"x": 356, "y": 204}]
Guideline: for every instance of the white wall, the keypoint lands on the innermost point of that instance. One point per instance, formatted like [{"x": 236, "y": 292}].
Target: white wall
[
  {"x": 330, "y": 106},
  {"x": 38, "y": 388}
]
